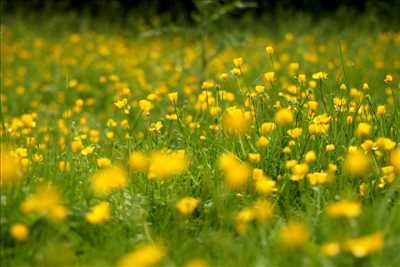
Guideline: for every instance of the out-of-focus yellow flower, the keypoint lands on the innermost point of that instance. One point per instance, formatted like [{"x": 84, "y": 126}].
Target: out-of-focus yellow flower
[
  {"x": 284, "y": 116},
  {"x": 395, "y": 160},
  {"x": 265, "y": 186},
  {"x": 262, "y": 141},
  {"x": 330, "y": 249},
  {"x": 235, "y": 121},
  {"x": 261, "y": 211},
  {"x": 87, "y": 150},
  {"x": 267, "y": 127},
  {"x": 299, "y": 171},
  {"x": 388, "y": 78},
  {"x": 330, "y": 147},
  {"x": 187, "y": 205},
  {"x": 269, "y": 76},
  {"x": 166, "y": 163},
  {"x": 318, "y": 178},
  {"x": 344, "y": 209},
  {"x": 295, "y": 133},
  {"x": 238, "y": 61},
  {"x": 144, "y": 256},
  {"x": 76, "y": 145},
  {"x": 19, "y": 231},
  {"x": 294, "y": 235},
  {"x": 103, "y": 162},
  {"x": 196, "y": 263},
  {"x": 207, "y": 85},
  {"x": 356, "y": 163},
  {"x": 173, "y": 97},
  {"x": 46, "y": 201},
  {"x": 269, "y": 50},
  {"x": 385, "y": 143},
  {"x": 363, "y": 129},
  {"x": 138, "y": 161},
  {"x": 107, "y": 179},
  {"x": 99, "y": 213},
  {"x": 320, "y": 76},
  {"x": 254, "y": 157},
  {"x": 236, "y": 172},
  {"x": 244, "y": 216},
  {"x": 320, "y": 124},
  {"x": 380, "y": 110},
  {"x": 64, "y": 166},
  {"x": 11, "y": 171},
  {"x": 145, "y": 105},
  {"x": 365, "y": 245},
  {"x": 310, "y": 156}
]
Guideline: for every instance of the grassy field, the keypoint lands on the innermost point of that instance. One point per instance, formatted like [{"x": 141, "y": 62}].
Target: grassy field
[{"x": 245, "y": 146}]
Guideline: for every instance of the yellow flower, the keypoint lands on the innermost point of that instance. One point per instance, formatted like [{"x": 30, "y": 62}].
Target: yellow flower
[
  {"x": 77, "y": 145},
  {"x": 365, "y": 245},
  {"x": 330, "y": 147},
  {"x": 320, "y": 124},
  {"x": 295, "y": 133},
  {"x": 45, "y": 201},
  {"x": 320, "y": 76},
  {"x": 363, "y": 129},
  {"x": 310, "y": 156},
  {"x": 99, "y": 213},
  {"x": 263, "y": 210},
  {"x": 19, "y": 231},
  {"x": 244, "y": 216},
  {"x": 121, "y": 103},
  {"x": 395, "y": 160},
  {"x": 299, "y": 171},
  {"x": 294, "y": 235},
  {"x": 254, "y": 157},
  {"x": 235, "y": 121},
  {"x": 262, "y": 141},
  {"x": 269, "y": 50},
  {"x": 207, "y": 85},
  {"x": 196, "y": 263},
  {"x": 236, "y": 71},
  {"x": 380, "y": 110},
  {"x": 11, "y": 171},
  {"x": 267, "y": 127},
  {"x": 138, "y": 161},
  {"x": 302, "y": 78},
  {"x": 356, "y": 163},
  {"x": 166, "y": 163},
  {"x": 385, "y": 143},
  {"x": 318, "y": 178},
  {"x": 284, "y": 116},
  {"x": 269, "y": 76},
  {"x": 238, "y": 62},
  {"x": 388, "y": 78},
  {"x": 144, "y": 256},
  {"x": 145, "y": 105},
  {"x": 330, "y": 249},
  {"x": 87, "y": 150},
  {"x": 236, "y": 173},
  {"x": 187, "y": 205},
  {"x": 173, "y": 97},
  {"x": 344, "y": 209},
  {"x": 103, "y": 162},
  {"x": 265, "y": 185},
  {"x": 107, "y": 179}
]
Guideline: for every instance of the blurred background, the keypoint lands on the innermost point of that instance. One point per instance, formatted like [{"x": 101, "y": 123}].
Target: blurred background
[{"x": 173, "y": 10}]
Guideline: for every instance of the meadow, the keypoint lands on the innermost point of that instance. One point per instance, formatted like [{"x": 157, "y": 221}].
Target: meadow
[{"x": 272, "y": 145}]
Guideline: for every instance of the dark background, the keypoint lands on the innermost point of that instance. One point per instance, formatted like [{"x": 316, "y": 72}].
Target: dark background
[{"x": 182, "y": 9}]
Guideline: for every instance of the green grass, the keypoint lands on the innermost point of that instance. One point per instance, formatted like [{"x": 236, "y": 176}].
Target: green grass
[{"x": 43, "y": 60}]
